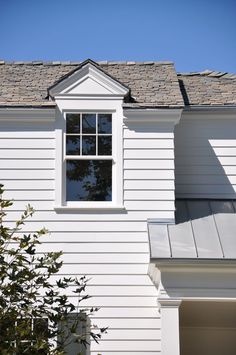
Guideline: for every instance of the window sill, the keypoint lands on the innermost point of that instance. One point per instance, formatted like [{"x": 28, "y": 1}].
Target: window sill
[{"x": 90, "y": 208}]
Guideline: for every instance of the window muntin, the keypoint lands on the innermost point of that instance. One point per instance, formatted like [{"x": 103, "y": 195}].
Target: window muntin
[{"x": 88, "y": 148}]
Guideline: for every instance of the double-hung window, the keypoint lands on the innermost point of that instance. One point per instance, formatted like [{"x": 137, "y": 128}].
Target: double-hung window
[{"x": 88, "y": 156}]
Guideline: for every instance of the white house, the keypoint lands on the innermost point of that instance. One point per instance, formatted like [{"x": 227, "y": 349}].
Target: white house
[{"x": 132, "y": 168}]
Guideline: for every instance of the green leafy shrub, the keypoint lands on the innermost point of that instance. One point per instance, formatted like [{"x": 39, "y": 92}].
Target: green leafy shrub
[{"x": 36, "y": 315}]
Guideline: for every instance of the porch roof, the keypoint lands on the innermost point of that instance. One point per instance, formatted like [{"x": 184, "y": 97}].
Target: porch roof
[{"x": 204, "y": 230}]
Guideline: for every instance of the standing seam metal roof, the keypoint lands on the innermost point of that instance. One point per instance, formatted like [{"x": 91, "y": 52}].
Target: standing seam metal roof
[{"x": 204, "y": 229}]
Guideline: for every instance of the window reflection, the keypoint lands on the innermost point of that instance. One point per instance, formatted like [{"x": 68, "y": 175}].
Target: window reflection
[
  {"x": 89, "y": 145},
  {"x": 88, "y": 123},
  {"x": 72, "y": 145},
  {"x": 89, "y": 180},
  {"x": 104, "y": 145},
  {"x": 72, "y": 123},
  {"x": 104, "y": 123}
]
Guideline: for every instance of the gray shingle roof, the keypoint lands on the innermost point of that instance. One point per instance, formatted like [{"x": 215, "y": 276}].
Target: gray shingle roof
[
  {"x": 208, "y": 88},
  {"x": 204, "y": 229},
  {"x": 152, "y": 84}
]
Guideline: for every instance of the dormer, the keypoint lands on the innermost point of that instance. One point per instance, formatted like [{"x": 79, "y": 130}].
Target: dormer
[{"x": 89, "y": 139}]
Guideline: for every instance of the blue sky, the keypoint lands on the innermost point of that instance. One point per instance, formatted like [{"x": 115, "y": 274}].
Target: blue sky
[{"x": 195, "y": 34}]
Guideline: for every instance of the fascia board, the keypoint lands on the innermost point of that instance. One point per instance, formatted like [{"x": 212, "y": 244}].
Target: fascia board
[
  {"x": 27, "y": 114},
  {"x": 202, "y": 112},
  {"x": 176, "y": 265},
  {"x": 152, "y": 115},
  {"x": 88, "y": 71}
]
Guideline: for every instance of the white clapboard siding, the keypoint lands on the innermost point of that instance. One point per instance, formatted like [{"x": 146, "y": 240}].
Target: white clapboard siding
[
  {"x": 94, "y": 237},
  {"x": 26, "y": 174},
  {"x": 134, "y": 312},
  {"x": 108, "y": 269},
  {"x": 151, "y": 185},
  {"x": 205, "y": 160},
  {"x": 45, "y": 216},
  {"x": 129, "y": 291},
  {"x": 129, "y": 322},
  {"x": 151, "y": 345},
  {"x": 93, "y": 247},
  {"x": 30, "y": 195},
  {"x": 83, "y": 226},
  {"x": 148, "y": 143},
  {"x": 148, "y": 195},
  {"x": 111, "y": 248},
  {"x": 130, "y": 334},
  {"x": 150, "y": 205},
  {"x": 205, "y": 170},
  {"x": 205, "y": 151},
  {"x": 28, "y": 184},
  {"x": 27, "y": 143},
  {"x": 27, "y": 133},
  {"x": 19, "y": 205},
  {"x": 149, "y": 154},
  {"x": 149, "y": 174},
  {"x": 149, "y": 164},
  {"x": 27, "y": 164},
  {"x": 105, "y": 258},
  {"x": 121, "y": 301},
  {"x": 109, "y": 280},
  {"x": 27, "y": 154}
]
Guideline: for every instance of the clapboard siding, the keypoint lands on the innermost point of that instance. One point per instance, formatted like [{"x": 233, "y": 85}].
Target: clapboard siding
[
  {"x": 138, "y": 334},
  {"x": 126, "y": 345},
  {"x": 27, "y": 174},
  {"x": 22, "y": 143},
  {"x": 205, "y": 151},
  {"x": 116, "y": 280},
  {"x": 149, "y": 143},
  {"x": 51, "y": 215},
  {"x": 97, "y": 237},
  {"x": 111, "y": 247},
  {"x": 94, "y": 247}
]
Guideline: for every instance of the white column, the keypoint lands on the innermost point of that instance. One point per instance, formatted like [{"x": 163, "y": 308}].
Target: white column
[{"x": 169, "y": 309}]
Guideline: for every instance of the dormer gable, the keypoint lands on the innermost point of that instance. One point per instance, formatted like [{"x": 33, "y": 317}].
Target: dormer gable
[{"x": 88, "y": 80}]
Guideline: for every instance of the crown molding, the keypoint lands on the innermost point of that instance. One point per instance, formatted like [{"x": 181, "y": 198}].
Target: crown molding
[{"x": 152, "y": 115}]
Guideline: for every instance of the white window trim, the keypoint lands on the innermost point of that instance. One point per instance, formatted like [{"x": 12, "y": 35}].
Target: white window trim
[
  {"x": 117, "y": 169},
  {"x": 102, "y": 94}
]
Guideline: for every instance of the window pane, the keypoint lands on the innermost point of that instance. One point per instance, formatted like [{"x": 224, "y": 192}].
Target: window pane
[
  {"x": 72, "y": 123},
  {"x": 89, "y": 123},
  {"x": 72, "y": 145},
  {"x": 104, "y": 123},
  {"x": 89, "y": 145},
  {"x": 104, "y": 145},
  {"x": 89, "y": 180}
]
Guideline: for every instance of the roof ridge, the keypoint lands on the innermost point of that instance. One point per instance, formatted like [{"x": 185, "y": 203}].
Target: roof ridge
[
  {"x": 101, "y": 62},
  {"x": 210, "y": 73}
]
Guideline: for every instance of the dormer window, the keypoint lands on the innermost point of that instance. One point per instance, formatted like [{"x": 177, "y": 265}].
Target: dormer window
[
  {"x": 88, "y": 155},
  {"x": 89, "y": 151}
]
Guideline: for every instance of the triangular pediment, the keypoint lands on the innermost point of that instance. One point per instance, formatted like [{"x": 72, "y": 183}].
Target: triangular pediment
[{"x": 88, "y": 79}]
